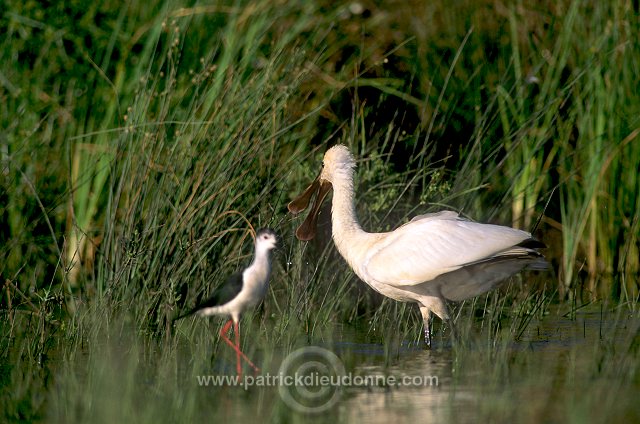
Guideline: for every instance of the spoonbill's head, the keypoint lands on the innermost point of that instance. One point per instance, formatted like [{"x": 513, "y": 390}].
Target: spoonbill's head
[{"x": 338, "y": 163}]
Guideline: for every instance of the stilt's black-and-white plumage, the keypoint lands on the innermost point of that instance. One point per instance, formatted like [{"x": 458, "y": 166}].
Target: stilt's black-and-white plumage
[{"x": 242, "y": 290}]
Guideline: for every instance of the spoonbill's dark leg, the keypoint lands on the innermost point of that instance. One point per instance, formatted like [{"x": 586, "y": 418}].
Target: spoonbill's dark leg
[
  {"x": 427, "y": 319},
  {"x": 236, "y": 346},
  {"x": 427, "y": 332}
]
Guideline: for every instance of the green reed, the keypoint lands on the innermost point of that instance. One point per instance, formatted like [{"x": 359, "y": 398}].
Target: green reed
[{"x": 132, "y": 169}]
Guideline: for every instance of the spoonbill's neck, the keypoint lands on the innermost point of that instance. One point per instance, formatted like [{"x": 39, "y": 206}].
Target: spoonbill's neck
[{"x": 345, "y": 227}]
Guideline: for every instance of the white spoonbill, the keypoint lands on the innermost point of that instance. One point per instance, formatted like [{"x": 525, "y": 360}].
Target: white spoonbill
[
  {"x": 431, "y": 259},
  {"x": 241, "y": 291}
]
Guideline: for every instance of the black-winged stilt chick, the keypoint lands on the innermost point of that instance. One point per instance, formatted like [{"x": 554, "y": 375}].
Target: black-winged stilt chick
[
  {"x": 432, "y": 259},
  {"x": 242, "y": 290}
]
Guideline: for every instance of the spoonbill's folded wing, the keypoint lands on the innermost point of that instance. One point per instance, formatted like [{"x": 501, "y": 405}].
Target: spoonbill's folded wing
[
  {"x": 434, "y": 244},
  {"x": 477, "y": 278}
]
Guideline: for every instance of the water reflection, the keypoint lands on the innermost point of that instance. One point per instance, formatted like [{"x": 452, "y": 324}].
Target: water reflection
[
  {"x": 558, "y": 361},
  {"x": 422, "y": 391},
  {"x": 551, "y": 359}
]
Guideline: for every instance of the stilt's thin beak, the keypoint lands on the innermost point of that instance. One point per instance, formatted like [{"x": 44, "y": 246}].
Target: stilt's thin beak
[{"x": 307, "y": 230}]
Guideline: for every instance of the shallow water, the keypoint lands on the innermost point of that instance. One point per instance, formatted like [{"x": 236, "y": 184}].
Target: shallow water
[
  {"x": 563, "y": 367},
  {"x": 580, "y": 366},
  {"x": 557, "y": 354}
]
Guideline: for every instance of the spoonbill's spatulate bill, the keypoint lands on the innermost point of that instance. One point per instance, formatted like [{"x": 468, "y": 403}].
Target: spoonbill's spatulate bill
[
  {"x": 241, "y": 291},
  {"x": 431, "y": 259}
]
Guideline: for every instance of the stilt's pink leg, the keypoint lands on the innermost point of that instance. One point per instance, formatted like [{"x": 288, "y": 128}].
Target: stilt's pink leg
[
  {"x": 238, "y": 364},
  {"x": 236, "y": 346}
]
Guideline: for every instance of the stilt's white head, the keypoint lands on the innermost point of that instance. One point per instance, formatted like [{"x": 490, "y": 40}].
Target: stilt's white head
[{"x": 266, "y": 239}]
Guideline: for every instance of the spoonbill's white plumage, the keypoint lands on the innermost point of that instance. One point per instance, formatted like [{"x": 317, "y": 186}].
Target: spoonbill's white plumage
[
  {"x": 241, "y": 291},
  {"x": 431, "y": 259}
]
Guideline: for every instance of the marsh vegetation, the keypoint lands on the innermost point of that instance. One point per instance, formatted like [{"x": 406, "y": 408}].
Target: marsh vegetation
[{"x": 137, "y": 142}]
